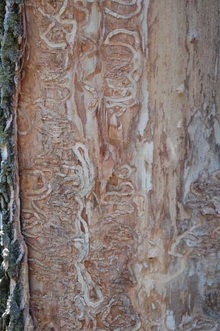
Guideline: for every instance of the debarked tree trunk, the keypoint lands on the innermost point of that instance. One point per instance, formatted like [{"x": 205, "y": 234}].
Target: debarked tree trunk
[{"x": 112, "y": 194}]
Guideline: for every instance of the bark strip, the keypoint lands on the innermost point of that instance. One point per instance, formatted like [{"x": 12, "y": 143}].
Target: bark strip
[{"x": 13, "y": 282}]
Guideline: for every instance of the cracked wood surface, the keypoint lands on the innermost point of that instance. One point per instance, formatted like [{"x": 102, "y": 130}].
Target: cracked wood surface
[{"x": 119, "y": 137}]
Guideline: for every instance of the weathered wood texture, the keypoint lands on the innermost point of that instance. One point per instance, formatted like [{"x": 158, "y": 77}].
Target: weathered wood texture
[{"x": 119, "y": 139}]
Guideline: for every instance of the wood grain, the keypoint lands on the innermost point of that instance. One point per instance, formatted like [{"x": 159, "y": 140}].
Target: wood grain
[{"x": 119, "y": 164}]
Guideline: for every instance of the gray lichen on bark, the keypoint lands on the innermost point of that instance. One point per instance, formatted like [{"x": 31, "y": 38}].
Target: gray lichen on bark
[{"x": 11, "y": 316}]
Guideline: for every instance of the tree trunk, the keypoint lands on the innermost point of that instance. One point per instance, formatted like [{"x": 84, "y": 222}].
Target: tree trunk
[{"x": 119, "y": 170}]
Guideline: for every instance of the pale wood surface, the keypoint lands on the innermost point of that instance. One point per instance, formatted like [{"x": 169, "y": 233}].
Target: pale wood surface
[{"x": 119, "y": 137}]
